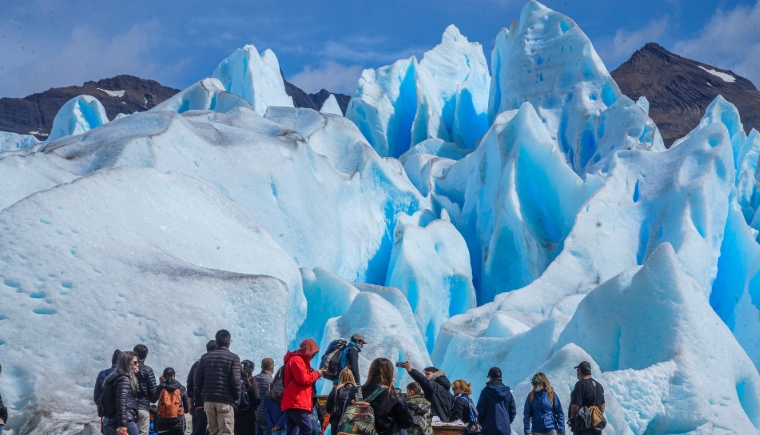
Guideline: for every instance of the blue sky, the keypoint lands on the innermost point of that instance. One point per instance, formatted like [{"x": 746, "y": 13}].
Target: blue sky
[{"x": 326, "y": 43}]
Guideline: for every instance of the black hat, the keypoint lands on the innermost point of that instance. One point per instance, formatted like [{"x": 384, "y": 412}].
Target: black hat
[
  {"x": 584, "y": 367},
  {"x": 494, "y": 373}
]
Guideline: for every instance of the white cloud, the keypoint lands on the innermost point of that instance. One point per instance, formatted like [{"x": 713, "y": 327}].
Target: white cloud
[
  {"x": 332, "y": 76},
  {"x": 729, "y": 40},
  {"x": 37, "y": 63},
  {"x": 620, "y": 48}
]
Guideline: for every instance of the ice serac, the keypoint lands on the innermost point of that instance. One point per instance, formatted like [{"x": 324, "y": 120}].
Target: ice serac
[
  {"x": 431, "y": 266},
  {"x": 545, "y": 59},
  {"x": 443, "y": 96},
  {"x": 331, "y": 106},
  {"x": 518, "y": 200},
  {"x": 327, "y": 296},
  {"x": 685, "y": 342},
  {"x": 78, "y": 115},
  {"x": 15, "y": 142},
  {"x": 120, "y": 256},
  {"x": 255, "y": 77},
  {"x": 207, "y": 94}
]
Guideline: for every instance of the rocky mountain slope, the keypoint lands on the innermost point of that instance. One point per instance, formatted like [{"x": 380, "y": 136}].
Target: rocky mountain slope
[
  {"x": 314, "y": 101},
  {"x": 680, "y": 89}
]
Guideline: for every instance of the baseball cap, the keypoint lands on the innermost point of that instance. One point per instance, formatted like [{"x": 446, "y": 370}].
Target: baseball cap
[
  {"x": 358, "y": 337},
  {"x": 584, "y": 367},
  {"x": 494, "y": 373}
]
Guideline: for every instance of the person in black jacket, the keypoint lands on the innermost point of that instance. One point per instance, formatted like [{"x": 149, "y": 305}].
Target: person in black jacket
[
  {"x": 391, "y": 412},
  {"x": 436, "y": 387},
  {"x": 3, "y": 410},
  {"x": 339, "y": 398},
  {"x": 462, "y": 403},
  {"x": 217, "y": 380},
  {"x": 147, "y": 380},
  {"x": 263, "y": 379},
  {"x": 245, "y": 414},
  {"x": 99, "y": 387},
  {"x": 349, "y": 358},
  {"x": 171, "y": 425},
  {"x": 496, "y": 406},
  {"x": 196, "y": 402},
  {"x": 124, "y": 378}
]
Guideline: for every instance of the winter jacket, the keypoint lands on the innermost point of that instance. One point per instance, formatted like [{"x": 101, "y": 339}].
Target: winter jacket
[
  {"x": 422, "y": 417},
  {"x": 197, "y": 401},
  {"x": 263, "y": 379},
  {"x": 350, "y": 358},
  {"x": 255, "y": 397},
  {"x": 3, "y": 411},
  {"x": 299, "y": 379},
  {"x": 391, "y": 411},
  {"x": 217, "y": 377},
  {"x": 436, "y": 389},
  {"x": 147, "y": 381},
  {"x": 99, "y": 382},
  {"x": 170, "y": 423},
  {"x": 496, "y": 409},
  {"x": 273, "y": 414},
  {"x": 337, "y": 402},
  {"x": 126, "y": 400},
  {"x": 461, "y": 408},
  {"x": 541, "y": 415}
]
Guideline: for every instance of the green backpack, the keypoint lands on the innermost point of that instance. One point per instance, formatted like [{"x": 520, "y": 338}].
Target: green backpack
[{"x": 359, "y": 417}]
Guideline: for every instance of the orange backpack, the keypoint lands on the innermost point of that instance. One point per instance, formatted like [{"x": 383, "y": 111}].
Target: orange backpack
[{"x": 170, "y": 404}]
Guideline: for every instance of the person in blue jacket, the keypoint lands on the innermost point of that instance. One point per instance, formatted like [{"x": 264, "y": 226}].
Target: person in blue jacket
[
  {"x": 496, "y": 406},
  {"x": 274, "y": 416},
  {"x": 542, "y": 413}
]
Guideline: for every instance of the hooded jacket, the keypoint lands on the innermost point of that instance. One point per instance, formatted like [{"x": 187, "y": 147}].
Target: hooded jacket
[
  {"x": 299, "y": 378},
  {"x": 496, "y": 408},
  {"x": 217, "y": 377},
  {"x": 542, "y": 415},
  {"x": 99, "y": 383},
  {"x": 126, "y": 400},
  {"x": 436, "y": 389},
  {"x": 422, "y": 418},
  {"x": 171, "y": 386},
  {"x": 273, "y": 414},
  {"x": 391, "y": 411}
]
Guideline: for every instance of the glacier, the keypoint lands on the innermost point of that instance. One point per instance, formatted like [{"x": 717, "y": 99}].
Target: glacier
[{"x": 527, "y": 217}]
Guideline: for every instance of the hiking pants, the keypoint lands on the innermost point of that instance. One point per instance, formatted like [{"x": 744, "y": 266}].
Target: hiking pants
[
  {"x": 200, "y": 422},
  {"x": 143, "y": 422},
  {"x": 221, "y": 418},
  {"x": 298, "y": 421}
]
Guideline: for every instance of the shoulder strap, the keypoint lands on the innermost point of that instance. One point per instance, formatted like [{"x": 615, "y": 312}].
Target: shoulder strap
[
  {"x": 374, "y": 395},
  {"x": 531, "y": 396}
]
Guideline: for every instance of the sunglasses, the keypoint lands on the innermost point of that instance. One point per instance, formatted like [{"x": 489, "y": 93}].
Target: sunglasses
[
  {"x": 535, "y": 381},
  {"x": 134, "y": 363}
]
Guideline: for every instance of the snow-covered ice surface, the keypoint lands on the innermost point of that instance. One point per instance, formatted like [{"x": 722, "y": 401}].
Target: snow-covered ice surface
[
  {"x": 331, "y": 106},
  {"x": 528, "y": 220}
]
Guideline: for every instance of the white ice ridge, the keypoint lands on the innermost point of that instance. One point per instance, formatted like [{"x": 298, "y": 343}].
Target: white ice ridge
[
  {"x": 331, "y": 106},
  {"x": 113, "y": 93},
  {"x": 728, "y": 78},
  {"x": 15, "y": 142},
  {"x": 78, "y": 115},
  {"x": 443, "y": 96},
  {"x": 255, "y": 77}
]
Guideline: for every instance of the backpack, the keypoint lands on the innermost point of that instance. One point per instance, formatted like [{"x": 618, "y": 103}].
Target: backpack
[
  {"x": 331, "y": 359},
  {"x": 245, "y": 400},
  {"x": 551, "y": 397},
  {"x": 588, "y": 417},
  {"x": 170, "y": 404},
  {"x": 359, "y": 417},
  {"x": 107, "y": 402},
  {"x": 277, "y": 387},
  {"x": 473, "y": 426}
]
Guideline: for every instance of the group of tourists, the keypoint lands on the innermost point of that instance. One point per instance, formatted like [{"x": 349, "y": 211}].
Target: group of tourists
[{"x": 224, "y": 397}]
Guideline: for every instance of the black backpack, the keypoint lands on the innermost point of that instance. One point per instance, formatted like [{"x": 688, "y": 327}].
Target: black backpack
[
  {"x": 331, "y": 359},
  {"x": 277, "y": 386},
  {"x": 245, "y": 399},
  {"x": 107, "y": 402}
]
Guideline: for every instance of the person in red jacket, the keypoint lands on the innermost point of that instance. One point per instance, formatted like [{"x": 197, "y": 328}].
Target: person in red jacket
[{"x": 299, "y": 380}]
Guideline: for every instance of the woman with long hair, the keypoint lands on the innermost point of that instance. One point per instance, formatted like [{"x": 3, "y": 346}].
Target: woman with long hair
[
  {"x": 125, "y": 385},
  {"x": 462, "y": 402},
  {"x": 340, "y": 397},
  {"x": 542, "y": 413},
  {"x": 245, "y": 413},
  {"x": 391, "y": 412},
  {"x": 173, "y": 404}
]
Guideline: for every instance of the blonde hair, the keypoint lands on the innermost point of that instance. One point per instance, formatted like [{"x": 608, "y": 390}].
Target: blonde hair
[
  {"x": 346, "y": 377},
  {"x": 463, "y": 386},
  {"x": 545, "y": 380}
]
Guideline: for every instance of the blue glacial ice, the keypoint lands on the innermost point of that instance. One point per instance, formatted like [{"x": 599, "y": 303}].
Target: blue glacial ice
[
  {"x": 527, "y": 220},
  {"x": 16, "y": 142},
  {"x": 445, "y": 96}
]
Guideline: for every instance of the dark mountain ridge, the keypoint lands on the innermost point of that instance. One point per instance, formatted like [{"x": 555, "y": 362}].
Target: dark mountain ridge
[{"x": 680, "y": 89}]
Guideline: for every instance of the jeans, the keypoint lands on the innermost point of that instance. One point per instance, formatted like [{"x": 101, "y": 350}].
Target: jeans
[
  {"x": 200, "y": 422},
  {"x": 261, "y": 428},
  {"x": 1, "y": 430},
  {"x": 131, "y": 429},
  {"x": 298, "y": 421}
]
